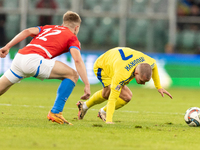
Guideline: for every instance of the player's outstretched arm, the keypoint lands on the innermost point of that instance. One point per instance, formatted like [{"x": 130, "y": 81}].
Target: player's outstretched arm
[
  {"x": 156, "y": 79},
  {"x": 18, "y": 38},
  {"x": 80, "y": 67},
  {"x": 163, "y": 91}
]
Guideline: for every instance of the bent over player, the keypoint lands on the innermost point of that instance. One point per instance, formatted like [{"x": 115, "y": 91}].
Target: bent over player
[
  {"x": 35, "y": 60},
  {"x": 115, "y": 69}
]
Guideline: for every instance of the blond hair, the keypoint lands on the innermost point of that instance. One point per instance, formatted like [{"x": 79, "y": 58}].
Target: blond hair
[
  {"x": 145, "y": 71},
  {"x": 71, "y": 19}
]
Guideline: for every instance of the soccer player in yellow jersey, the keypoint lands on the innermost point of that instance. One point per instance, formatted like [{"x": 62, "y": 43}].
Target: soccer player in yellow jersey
[{"x": 115, "y": 69}]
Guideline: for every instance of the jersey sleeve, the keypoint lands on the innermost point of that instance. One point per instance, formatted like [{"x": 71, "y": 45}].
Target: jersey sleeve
[
  {"x": 111, "y": 105},
  {"x": 155, "y": 77},
  {"x": 40, "y": 28},
  {"x": 74, "y": 43},
  {"x": 114, "y": 95}
]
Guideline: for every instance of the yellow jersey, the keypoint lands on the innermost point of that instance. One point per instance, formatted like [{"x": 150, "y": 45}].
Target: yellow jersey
[{"x": 119, "y": 65}]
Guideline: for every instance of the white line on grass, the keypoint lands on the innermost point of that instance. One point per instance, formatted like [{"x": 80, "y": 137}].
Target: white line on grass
[{"x": 166, "y": 113}]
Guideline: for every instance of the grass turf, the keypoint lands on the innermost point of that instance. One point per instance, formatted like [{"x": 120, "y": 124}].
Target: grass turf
[{"x": 147, "y": 122}]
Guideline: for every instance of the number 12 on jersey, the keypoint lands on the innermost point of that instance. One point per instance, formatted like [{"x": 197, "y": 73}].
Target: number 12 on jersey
[{"x": 47, "y": 32}]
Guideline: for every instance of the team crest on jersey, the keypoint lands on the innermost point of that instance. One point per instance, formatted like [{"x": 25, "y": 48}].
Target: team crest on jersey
[{"x": 118, "y": 87}]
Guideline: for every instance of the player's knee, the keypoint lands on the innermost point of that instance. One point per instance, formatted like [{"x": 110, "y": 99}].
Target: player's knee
[
  {"x": 105, "y": 95},
  {"x": 75, "y": 76},
  {"x": 128, "y": 97},
  {"x": 72, "y": 76}
]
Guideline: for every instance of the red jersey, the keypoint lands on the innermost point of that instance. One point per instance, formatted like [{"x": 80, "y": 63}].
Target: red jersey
[{"x": 52, "y": 40}]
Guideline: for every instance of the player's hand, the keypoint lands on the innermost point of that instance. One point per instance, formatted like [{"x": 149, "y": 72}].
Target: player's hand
[
  {"x": 86, "y": 94},
  {"x": 3, "y": 52},
  {"x": 163, "y": 91}
]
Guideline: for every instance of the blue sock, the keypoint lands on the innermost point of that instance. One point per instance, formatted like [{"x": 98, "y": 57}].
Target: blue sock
[{"x": 64, "y": 90}]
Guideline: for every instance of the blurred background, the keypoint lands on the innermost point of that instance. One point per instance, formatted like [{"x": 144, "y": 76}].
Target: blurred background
[
  {"x": 163, "y": 26},
  {"x": 168, "y": 28}
]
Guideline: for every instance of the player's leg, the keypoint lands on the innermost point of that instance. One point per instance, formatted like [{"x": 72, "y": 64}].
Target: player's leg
[
  {"x": 62, "y": 71},
  {"x": 11, "y": 76},
  {"x": 105, "y": 94},
  {"x": 124, "y": 98},
  {"x": 101, "y": 95},
  {"x": 69, "y": 77},
  {"x": 98, "y": 97},
  {"x": 5, "y": 84}
]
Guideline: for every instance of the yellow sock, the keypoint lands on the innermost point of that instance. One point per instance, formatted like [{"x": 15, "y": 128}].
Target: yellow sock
[
  {"x": 95, "y": 99},
  {"x": 105, "y": 108},
  {"x": 119, "y": 103}
]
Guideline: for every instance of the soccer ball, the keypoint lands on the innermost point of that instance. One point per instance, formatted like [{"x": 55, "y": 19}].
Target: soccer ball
[{"x": 192, "y": 117}]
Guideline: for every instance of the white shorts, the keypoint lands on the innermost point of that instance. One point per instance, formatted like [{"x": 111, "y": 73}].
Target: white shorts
[{"x": 29, "y": 65}]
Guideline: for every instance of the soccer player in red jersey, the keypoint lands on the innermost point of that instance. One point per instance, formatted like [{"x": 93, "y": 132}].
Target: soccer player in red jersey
[{"x": 35, "y": 60}]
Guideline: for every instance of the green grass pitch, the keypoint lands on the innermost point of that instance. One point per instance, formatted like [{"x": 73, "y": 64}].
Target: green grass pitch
[{"x": 148, "y": 122}]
